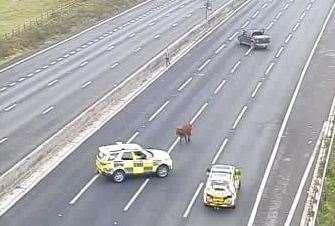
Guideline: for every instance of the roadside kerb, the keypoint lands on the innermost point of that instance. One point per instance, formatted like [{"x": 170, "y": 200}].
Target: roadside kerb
[
  {"x": 314, "y": 196},
  {"x": 17, "y": 181}
]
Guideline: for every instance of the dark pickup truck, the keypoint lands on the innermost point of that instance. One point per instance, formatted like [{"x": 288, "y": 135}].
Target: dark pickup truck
[{"x": 255, "y": 38}]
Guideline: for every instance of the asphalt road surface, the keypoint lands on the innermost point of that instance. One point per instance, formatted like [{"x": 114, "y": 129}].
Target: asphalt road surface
[
  {"x": 41, "y": 95},
  {"x": 235, "y": 96}
]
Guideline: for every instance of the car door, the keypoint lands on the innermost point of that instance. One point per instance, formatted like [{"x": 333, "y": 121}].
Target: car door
[
  {"x": 127, "y": 159},
  {"x": 142, "y": 164}
]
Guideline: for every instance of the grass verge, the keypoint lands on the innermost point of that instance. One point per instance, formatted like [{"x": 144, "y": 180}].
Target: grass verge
[
  {"x": 59, "y": 25},
  {"x": 327, "y": 209}
]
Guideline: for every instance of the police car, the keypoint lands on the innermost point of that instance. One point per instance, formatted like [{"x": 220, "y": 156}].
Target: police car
[
  {"x": 222, "y": 186},
  {"x": 117, "y": 161}
]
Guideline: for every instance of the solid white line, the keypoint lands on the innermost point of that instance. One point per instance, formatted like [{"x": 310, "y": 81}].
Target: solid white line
[
  {"x": 198, "y": 113},
  {"x": 47, "y": 110},
  {"x": 10, "y": 107},
  {"x": 245, "y": 24},
  {"x": 220, "y": 48},
  {"x": 184, "y": 84},
  {"x": 255, "y": 14},
  {"x": 296, "y": 26},
  {"x": 240, "y": 115},
  {"x": 74, "y": 200},
  {"x": 86, "y": 84},
  {"x": 279, "y": 51},
  {"x": 282, "y": 128},
  {"x": 278, "y": 15},
  {"x": 53, "y": 82},
  {"x": 256, "y": 89},
  {"x": 83, "y": 63},
  {"x": 74, "y": 36},
  {"x": 218, "y": 88},
  {"x": 269, "y": 26},
  {"x": 136, "y": 195},
  {"x": 288, "y": 38},
  {"x": 114, "y": 65},
  {"x": 133, "y": 137},
  {"x": 187, "y": 211},
  {"x": 235, "y": 66},
  {"x": 233, "y": 36},
  {"x": 269, "y": 68},
  {"x": 3, "y": 140},
  {"x": 223, "y": 145},
  {"x": 302, "y": 16},
  {"x": 158, "y": 111},
  {"x": 248, "y": 52},
  {"x": 204, "y": 64}
]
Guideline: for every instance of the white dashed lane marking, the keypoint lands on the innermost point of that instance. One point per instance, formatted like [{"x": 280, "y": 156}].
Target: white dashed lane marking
[
  {"x": 38, "y": 70},
  {"x": 286, "y": 6},
  {"x": 197, "y": 192},
  {"x": 136, "y": 195},
  {"x": 265, "y": 5},
  {"x": 83, "y": 63},
  {"x": 220, "y": 48},
  {"x": 12, "y": 84},
  {"x": 256, "y": 89},
  {"x": 296, "y": 26},
  {"x": 288, "y": 38},
  {"x": 269, "y": 68},
  {"x": 309, "y": 6},
  {"x": 53, "y": 82},
  {"x": 218, "y": 88},
  {"x": 53, "y": 62},
  {"x": 3, "y": 89},
  {"x": 47, "y": 110},
  {"x": 235, "y": 67},
  {"x": 3, "y": 140},
  {"x": 280, "y": 51},
  {"x": 240, "y": 115},
  {"x": 245, "y": 24},
  {"x": 158, "y": 111},
  {"x": 184, "y": 84},
  {"x": 10, "y": 107},
  {"x": 204, "y": 64},
  {"x": 278, "y": 15},
  {"x": 156, "y": 36},
  {"x": 269, "y": 26},
  {"x": 302, "y": 15},
  {"x": 233, "y": 36},
  {"x": 248, "y": 52},
  {"x": 114, "y": 65},
  {"x": 86, "y": 84},
  {"x": 45, "y": 67},
  {"x": 222, "y": 146},
  {"x": 73, "y": 201},
  {"x": 22, "y": 79},
  {"x": 255, "y": 14}
]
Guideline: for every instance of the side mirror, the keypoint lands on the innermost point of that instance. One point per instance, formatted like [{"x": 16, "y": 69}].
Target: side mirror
[{"x": 238, "y": 171}]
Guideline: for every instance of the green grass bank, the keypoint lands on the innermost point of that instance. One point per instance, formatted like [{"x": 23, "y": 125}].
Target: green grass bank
[
  {"x": 327, "y": 209},
  {"x": 30, "y": 25}
]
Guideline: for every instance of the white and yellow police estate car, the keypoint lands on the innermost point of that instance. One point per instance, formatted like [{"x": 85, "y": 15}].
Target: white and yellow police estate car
[
  {"x": 222, "y": 186},
  {"x": 119, "y": 160}
]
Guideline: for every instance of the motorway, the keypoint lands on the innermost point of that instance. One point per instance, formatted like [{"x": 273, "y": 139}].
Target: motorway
[
  {"x": 50, "y": 89},
  {"x": 238, "y": 99}
]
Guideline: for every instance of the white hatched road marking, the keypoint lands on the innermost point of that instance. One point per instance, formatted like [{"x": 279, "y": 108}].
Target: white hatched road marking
[
  {"x": 256, "y": 89},
  {"x": 239, "y": 117},
  {"x": 158, "y": 111},
  {"x": 184, "y": 84},
  {"x": 188, "y": 209},
  {"x": 222, "y": 146}
]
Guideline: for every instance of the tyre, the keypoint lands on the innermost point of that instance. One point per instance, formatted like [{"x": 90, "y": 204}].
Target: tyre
[
  {"x": 162, "y": 171},
  {"x": 118, "y": 176}
]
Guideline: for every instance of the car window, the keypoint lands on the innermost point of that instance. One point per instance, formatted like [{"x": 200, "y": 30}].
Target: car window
[
  {"x": 139, "y": 155},
  {"x": 127, "y": 156},
  {"x": 257, "y": 33}
]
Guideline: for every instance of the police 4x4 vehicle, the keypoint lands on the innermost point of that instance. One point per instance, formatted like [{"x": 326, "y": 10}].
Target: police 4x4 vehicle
[
  {"x": 255, "y": 38},
  {"x": 117, "y": 161},
  {"x": 222, "y": 186}
]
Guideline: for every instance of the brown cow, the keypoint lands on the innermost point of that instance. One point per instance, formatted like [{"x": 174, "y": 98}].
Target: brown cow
[{"x": 185, "y": 132}]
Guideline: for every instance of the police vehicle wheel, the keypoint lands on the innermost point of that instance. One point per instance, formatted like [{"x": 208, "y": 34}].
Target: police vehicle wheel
[
  {"x": 118, "y": 176},
  {"x": 162, "y": 171}
]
